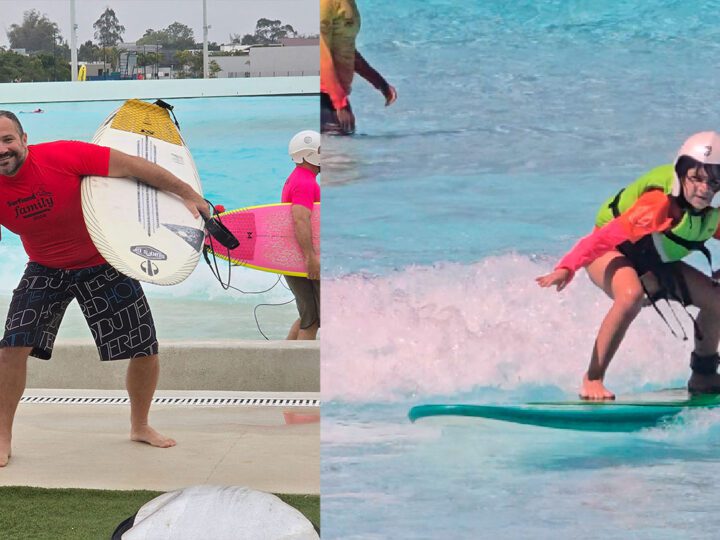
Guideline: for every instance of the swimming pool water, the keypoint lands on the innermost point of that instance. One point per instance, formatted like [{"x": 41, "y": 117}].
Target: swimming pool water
[
  {"x": 514, "y": 122},
  {"x": 240, "y": 148}
]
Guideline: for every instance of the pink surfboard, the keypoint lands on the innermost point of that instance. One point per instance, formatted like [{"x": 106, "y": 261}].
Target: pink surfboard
[{"x": 267, "y": 238}]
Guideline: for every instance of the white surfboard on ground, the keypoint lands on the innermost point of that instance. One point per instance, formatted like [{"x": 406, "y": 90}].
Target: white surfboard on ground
[
  {"x": 144, "y": 233},
  {"x": 219, "y": 513}
]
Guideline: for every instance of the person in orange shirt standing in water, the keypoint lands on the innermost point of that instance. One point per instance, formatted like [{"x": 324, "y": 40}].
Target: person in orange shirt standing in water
[
  {"x": 339, "y": 61},
  {"x": 634, "y": 255}
]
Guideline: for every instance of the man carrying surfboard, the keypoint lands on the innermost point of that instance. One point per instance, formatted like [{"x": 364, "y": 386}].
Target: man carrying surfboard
[
  {"x": 40, "y": 201},
  {"x": 634, "y": 255},
  {"x": 302, "y": 190},
  {"x": 339, "y": 61}
]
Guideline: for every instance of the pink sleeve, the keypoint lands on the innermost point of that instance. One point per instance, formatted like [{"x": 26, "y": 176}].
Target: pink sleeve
[
  {"x": 649, "y": 214},
  {"x": 592, "y": 246}
]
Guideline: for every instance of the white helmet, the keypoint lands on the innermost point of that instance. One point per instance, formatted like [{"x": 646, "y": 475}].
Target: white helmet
[
  {"x": 305, "y": 145},
  {"x": 703, "y": 147}
]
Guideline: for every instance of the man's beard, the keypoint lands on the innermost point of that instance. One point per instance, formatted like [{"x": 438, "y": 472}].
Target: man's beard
[{"x": 18, "y": 163}]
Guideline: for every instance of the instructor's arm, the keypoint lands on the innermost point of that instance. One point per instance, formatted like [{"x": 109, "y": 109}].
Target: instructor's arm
[
  {"x": 122, "y": 165},
  {"x": 303, "y": 233}
]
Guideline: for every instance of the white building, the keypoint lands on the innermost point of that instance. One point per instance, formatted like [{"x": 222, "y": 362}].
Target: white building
[
  {"x": 273, "y": 61},
  {"x": 234, "y": 47}
]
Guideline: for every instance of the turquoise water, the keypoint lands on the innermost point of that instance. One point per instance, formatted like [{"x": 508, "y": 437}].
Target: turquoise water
[
  {"x": 240, "y": 148},
  {"x": 514, "y": 122}
]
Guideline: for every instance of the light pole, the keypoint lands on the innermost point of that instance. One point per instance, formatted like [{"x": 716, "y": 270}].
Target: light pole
[
  {"x": 73, "y": 43},
  {"x": 206, "y": 62},
  {"x": 54, "y": 58}
]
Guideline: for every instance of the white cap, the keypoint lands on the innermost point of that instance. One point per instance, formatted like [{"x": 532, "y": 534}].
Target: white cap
[
  {"x": 305, "y": 146},
  {"x": 703, "y": 147}
]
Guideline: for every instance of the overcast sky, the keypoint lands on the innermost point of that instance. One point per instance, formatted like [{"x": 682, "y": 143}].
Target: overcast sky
[{"x": 224, "y": 16}]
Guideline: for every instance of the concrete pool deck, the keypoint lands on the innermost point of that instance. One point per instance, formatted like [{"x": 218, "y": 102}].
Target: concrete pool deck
[
  {"x": 223, "y": 402},
  {"x": 87, "y": 446}
]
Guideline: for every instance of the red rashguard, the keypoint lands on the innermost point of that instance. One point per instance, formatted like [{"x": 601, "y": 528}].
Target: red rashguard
[{"x": 41, "y": 203}]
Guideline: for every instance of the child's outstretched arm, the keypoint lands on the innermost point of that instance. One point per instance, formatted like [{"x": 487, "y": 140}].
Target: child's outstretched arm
[{"x": 649, "y": 214}]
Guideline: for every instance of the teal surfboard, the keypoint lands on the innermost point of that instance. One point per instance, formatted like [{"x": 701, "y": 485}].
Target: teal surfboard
[{"x": 626, "y": 414}]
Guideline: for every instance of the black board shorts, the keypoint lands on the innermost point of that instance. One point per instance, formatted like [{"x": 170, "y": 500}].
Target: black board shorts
[
  {"x": 307, "y": 298},
  {"x": 114, "y": 307}
]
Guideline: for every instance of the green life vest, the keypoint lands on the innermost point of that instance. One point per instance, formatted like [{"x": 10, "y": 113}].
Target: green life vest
[{"x": 690, "y": 233}]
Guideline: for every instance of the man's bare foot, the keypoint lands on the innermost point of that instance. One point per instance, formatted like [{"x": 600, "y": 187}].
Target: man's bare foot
[
  {"x": 704, "y": 384},
  {"x": 594, "y": 390},
  {"x": 148, "y": 435},
  {"x": 5, "y": 453}
]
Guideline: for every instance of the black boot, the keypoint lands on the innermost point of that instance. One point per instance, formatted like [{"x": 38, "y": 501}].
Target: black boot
[
  {"x": 704, "y": 378},
  {"x": 704, "y": 365}
]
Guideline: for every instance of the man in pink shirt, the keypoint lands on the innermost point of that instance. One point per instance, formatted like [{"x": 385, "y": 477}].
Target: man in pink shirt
[
  {"x": 302, "y": 190},
  {"x": 40, "y": 202}
]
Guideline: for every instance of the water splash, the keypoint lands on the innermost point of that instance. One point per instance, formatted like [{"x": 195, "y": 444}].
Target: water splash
[{"x": 451, "y": 328}]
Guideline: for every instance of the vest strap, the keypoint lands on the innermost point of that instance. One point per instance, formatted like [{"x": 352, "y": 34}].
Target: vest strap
[
  {"x": 615, "y": 204},
  {"x": 691, "y": 245}
]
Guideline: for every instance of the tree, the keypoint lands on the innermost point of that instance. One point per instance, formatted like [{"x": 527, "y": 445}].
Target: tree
[
  {"x": 176, "y": 36},
  {"x": 41, "y": 67},
  {"x": 151, "y": 37},
  {"x": 148, "y": 59},
  {"x": 56, "y": 68},
  {"x": 89, "y": 52},
  {"x": 271, "y": 31},
  {"x": 108, "y": 33},
  {"x": 247, "y": 39},
  {"x": 108, "y": 30},
  {"x": 192, "y": 63},
  {"x": 214, "y": 68},
  {"x": 36, "y": 33},
  {"x": 181, "y": 36},
  {"x": 267, "y": 31}
]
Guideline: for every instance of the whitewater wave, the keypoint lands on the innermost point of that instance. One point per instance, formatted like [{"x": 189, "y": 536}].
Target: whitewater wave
[{"x": 449, "y": 328}]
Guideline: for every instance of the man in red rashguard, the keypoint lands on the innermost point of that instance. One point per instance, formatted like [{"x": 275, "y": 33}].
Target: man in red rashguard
[
  {"x": 40, "y": 201},
  {"x": 302, "y": 190}
]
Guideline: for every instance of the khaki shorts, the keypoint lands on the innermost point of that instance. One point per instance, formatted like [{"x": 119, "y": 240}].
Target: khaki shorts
[{"x": 307, "y": 298}]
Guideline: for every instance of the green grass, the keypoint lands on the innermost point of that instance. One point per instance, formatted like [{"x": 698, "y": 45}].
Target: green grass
[{"x": 28, "y": 513}]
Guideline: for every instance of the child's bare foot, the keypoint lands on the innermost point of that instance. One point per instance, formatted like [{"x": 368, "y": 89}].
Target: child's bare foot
[{"x": 594, "y": 390}]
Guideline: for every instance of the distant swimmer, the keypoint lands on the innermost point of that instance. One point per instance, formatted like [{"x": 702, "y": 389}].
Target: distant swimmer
[
  {"x": 635, "y": 254},
  {"x": 31, "y": 112},
  {"x": 339, "y": 61}
]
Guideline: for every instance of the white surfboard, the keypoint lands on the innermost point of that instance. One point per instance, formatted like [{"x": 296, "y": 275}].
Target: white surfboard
[
  {"x": 144, "y": 233},
  {"x": 219, "y": 513}
]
